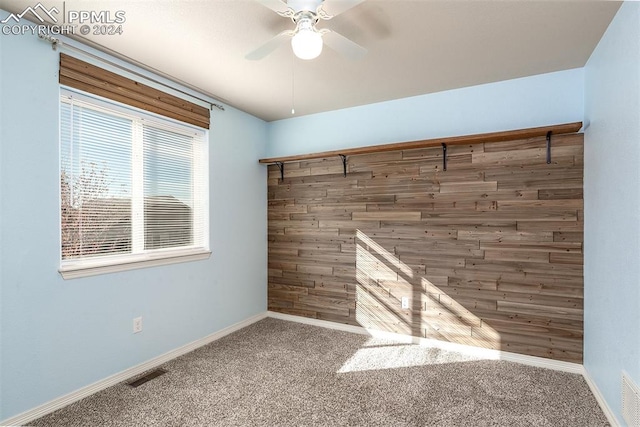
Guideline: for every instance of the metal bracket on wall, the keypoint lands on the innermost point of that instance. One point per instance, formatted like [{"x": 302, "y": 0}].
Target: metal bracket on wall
[
  {"x": 281, "y": 167},
  {"x": 444, "y": 156},
  {"x": 344, "y": 163},
  {"x": 549, "y": 147}
]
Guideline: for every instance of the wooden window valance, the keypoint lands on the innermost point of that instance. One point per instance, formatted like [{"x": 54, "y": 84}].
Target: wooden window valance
[{"x": 90, "y": 78}]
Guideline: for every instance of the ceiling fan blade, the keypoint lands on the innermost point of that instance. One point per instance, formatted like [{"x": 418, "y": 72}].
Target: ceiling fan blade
[
  {"x": 269, "y": 46},
  {"x": 278, "y": 6},
  {"x": 343, "y": 45},
  {"x": 332, "y": 8}
]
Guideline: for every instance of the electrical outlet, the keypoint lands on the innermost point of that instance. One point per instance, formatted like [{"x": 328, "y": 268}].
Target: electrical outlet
[
  {"x": 405, "y": 302},
  {"x": 137, "y": 325}
]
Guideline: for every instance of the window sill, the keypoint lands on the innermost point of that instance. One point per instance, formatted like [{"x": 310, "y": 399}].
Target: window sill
[{"x": 86, "y": 269}]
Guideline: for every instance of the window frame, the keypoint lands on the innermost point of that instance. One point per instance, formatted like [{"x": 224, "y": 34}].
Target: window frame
[{"x": 90, "y": 266}]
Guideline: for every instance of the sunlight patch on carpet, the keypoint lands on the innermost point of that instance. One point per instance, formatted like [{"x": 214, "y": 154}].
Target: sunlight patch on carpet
[{"x": 379, "y": 354}]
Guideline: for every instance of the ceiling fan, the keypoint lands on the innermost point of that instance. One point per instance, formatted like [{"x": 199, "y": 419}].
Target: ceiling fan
[{"x": 306, "y": 39}]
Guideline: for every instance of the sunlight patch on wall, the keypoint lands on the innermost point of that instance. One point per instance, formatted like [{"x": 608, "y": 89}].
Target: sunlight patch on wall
[
  {"x": 375, "y": 269},
  {"x": 372, "y": 245},
  {"x": 382, "y": 282}
]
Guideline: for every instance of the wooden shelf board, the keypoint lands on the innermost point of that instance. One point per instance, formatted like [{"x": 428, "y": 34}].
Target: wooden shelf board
[{"x": 509, "y": 135}]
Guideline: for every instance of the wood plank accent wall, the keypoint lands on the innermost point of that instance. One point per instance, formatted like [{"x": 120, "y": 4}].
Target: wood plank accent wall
[{"x": 488, "y": 253}]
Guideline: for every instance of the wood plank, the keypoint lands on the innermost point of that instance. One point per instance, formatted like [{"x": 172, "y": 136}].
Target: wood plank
[
  {"x": 350, "y": 319},
  {"x": 543, "y": 288},
  {"x": 455, "y": 292},
  {"x": 517, "y": 256},
  {"x": 566, "y": 258},
  {"x": 320, "y": 162},
  {"x": 554, "y": 226},
  {"x": 524, "y": 267},
  {"x": 499, "y": 236},
  {"x": 442, "y": 317},
  {"x": 519, "y": 205},
  {"x": 315, "y": 269},
  {"x": 568, "y": 236},
  {"x": 424, "y": 260},
  {"x": 537, "y": 142},
  {"x": 318, "y": 237},
  {"x": 540, "y": 184},
  {"x": 531, "y": 155},
  {"x": 540, "y": 310},
  {"x": 465, "y": 187},
  {"x": 335, "y": 208},
  {"x": 312, "y": 232},
  {"x": 315, "y": 245},
  {"x": 289, "y": 173},
  {"x": 279, "y": 303},
  {"x": 524, "y": 216},
  {"x": 435, "y": 168},
  {"x": 351, "y": 224},
  {"x": 532, "y": 246},
  {"x": 325, "y": 305},
  {"x": 278, "y": 264},
  {"x": 375, "y": 158},
  {"x": 288, "y": 281},
  {"x": 555, "y": 343},
  {"x": 522, "y": 172},
  {"x": 387, "y": 216},
  {"x": 561, "y": 193},
  {"x": 489, "y": 316},
  {"x": 467, "y": 302},
  {"x": 430, "y": 153}
]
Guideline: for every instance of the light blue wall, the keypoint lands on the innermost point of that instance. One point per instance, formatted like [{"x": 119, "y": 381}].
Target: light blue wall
[
  {"x": 60, "y": 335},
  {"x": 514, "y": 104},
  {"x": 612, "y": 206}
]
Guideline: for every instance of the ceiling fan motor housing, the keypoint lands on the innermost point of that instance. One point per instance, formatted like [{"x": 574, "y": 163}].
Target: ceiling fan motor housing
[
  {"x": 304, "y": 5},
  {"x": 305, "y": 20}
]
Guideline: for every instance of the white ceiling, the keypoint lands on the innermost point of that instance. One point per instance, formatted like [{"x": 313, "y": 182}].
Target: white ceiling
[{"x": 414, "y": 47}]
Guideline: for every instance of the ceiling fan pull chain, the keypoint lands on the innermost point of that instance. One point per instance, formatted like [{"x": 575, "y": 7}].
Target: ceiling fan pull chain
[{"x": 293, "y": 84}]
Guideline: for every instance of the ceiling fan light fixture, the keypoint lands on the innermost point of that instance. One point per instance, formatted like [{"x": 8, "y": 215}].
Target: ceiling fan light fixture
[{"x": 307, "y": 43}]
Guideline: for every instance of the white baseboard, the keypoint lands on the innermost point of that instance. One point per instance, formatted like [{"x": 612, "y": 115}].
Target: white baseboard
[
  {"x": 484, "y": 353},
  {"x": 490, "y": 354},
  {"x": 600, "y": 399},
  {"x": 83, "y": 392}
]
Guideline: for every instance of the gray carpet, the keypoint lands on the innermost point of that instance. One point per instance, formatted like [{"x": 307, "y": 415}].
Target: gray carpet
[{"x": 278, "y": 373}]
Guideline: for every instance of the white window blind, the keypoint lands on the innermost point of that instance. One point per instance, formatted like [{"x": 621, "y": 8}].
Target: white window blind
[{"x": 133, "y": 186}]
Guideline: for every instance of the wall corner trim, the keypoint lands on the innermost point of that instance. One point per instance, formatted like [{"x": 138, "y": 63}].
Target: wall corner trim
[
  {"x": 114, "y": 379},
  {"x": 600, "y": 398}
]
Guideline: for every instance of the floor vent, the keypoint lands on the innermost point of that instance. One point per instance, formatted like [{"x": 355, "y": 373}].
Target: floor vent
[
  {"x": 151, "y": 375},
  {"x": 630, "y": 402}
]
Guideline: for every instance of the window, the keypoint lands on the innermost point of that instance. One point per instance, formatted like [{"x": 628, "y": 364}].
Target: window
[{"x": 133, "y": 187}]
